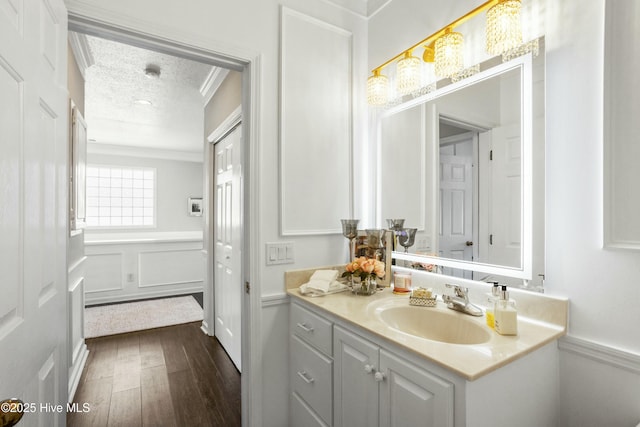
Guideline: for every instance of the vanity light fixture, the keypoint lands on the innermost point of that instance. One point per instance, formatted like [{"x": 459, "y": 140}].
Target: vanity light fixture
[
  {"x": 444, "y": 48},
  {"x": 449, "y": 54},
  {"x": 504, "y": 31},
  {"x": 377, "y": 89},
  {"x": 408, "y": 74}
]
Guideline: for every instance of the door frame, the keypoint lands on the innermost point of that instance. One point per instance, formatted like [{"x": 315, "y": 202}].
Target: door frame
[{"x": 143, "y": 34}]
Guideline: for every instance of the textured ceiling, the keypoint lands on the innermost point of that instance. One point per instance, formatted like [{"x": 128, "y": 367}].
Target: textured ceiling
[{"x": 175, "y": 118}]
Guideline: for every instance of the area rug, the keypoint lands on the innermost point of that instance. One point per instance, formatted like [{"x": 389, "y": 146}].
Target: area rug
[{"x": 140, "y": 315}]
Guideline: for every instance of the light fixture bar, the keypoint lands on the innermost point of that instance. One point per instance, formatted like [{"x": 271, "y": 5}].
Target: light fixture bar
[{"x": 429, "y": 41}]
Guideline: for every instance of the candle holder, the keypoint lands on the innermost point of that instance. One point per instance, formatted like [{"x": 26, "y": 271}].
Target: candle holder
[{"x": 350, "y": 231}]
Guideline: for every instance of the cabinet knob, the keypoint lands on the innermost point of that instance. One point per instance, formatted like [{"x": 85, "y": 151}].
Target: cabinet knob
[
  {"x": 379, "y": 376},
  {"x": 369, "y": 368}
]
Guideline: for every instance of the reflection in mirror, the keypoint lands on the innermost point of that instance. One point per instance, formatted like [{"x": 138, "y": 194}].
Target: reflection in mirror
[{"x": 457, "y": 165}]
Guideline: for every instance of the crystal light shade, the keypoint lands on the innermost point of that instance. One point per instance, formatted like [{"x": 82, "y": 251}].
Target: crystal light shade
[
  {"x": 377, "y": 89},
  {"x": 408, "y": 74},
  {"x": 504, "y": 31},
  {"x": 449, "y": 54}
]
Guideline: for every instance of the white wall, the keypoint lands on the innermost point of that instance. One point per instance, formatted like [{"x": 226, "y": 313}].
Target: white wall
[
  {"x": 602, "y": 285},
  {"x": 253, "y": 27},
  {"x": 176, "y": 181}
]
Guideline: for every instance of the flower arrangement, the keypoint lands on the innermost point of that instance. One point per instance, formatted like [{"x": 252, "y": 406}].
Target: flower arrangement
[{"x": 364, "y": 268}]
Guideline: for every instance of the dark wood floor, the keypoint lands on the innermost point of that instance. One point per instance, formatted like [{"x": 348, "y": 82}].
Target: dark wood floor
[{"x": 173, "y": 376}]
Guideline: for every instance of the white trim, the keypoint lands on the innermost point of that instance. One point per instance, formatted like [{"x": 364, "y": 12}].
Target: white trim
[
  {"x": 600, "y": 353},
  {"x": 146, "y": 152},
  {"x": 76, "y": 264},
  {"x": 81, "y": 51},
  {"x": 275, "y": 300},
  {"x": 232, "y": 120},
  {"x": 97, "y": 20},
  {"x": 138, "y": 296},
  {"x": 212, "y": 83},
  {"x": 77, "y": 368}
]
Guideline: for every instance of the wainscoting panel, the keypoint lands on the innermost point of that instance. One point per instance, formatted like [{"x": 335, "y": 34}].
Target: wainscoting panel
[
  {"x": 316, "y": 125},
  {"x": 140, "y": 266},
  {"x": 621, "y": 127},
  {"x": 598, "y": 385},
  {"x": 162, "y": 268},
  {"x": 104, "y": 272}
]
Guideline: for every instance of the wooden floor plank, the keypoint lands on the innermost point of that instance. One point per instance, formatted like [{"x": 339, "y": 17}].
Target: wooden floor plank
[
  {"x": 97, "y": 394},
  {"x": 157, "y": 405},
  {"x": 125, "y": 409},
  {"x": 187, "y": 402},
  {"x": 173, "y": 376},
  {"x": 151, "y": 353}
]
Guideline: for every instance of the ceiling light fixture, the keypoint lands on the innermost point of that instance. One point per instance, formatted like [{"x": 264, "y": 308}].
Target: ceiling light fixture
[
  {"x": 152, "y": 71},
  {"x": 143, "y": 102},
  {"x": 444, "y": 48}
]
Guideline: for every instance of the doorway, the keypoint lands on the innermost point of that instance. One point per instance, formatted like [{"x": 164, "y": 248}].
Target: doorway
[{"x": 250, "y": 87}]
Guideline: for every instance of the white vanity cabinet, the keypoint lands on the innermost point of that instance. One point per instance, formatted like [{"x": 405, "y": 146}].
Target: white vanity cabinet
[
  {"x": 311, "y": 368},
  {"x": 340, "y": 378},
  {"x": 375, "y": 387}
]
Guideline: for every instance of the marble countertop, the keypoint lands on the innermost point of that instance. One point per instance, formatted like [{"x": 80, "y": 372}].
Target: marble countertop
[{"x": 470, "y": 361}]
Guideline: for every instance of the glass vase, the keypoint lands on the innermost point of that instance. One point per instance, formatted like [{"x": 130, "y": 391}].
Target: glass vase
[{"x": 366, "y": 286}]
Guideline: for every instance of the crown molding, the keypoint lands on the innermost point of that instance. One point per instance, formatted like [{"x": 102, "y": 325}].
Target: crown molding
[
  {"x": 81, "y": 51},
  {"x": 363, "y": 8},
  {"x": 150, "y": 153},
  {"x": 212, "y": 83}
]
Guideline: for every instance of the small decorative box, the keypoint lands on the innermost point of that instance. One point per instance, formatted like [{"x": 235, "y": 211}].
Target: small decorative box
[{"x": 423, "y": 302}]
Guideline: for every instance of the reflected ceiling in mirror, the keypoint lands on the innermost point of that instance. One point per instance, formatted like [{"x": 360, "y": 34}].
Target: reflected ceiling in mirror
[{"x": 458, "y": 164}]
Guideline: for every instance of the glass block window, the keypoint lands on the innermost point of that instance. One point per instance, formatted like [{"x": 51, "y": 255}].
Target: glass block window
[{"x": 120, "y": 196}]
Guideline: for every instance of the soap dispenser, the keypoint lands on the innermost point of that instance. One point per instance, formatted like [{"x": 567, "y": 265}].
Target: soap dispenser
[
  {"x": 506, "y": 315},
  {"x": 493, "y": 297}
]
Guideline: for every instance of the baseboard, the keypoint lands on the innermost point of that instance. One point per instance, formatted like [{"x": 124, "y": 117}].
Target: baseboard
[
  {"x": 600, "y": 353},
  {"x": 205, "y": 328},
  {"x": 76, "y": 370},
  {"x": 94, "y": 300}
]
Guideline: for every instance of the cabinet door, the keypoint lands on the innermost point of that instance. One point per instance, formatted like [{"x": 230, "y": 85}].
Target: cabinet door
[
  {"x": 411, "y": 396},
  {"x": 355, "y": 389}
]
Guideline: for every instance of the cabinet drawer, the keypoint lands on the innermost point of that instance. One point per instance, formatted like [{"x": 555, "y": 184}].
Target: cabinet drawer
[
  {"x": 311, "y": 378},
  {"x": 302, "y": 415},
  {"x": 312, "y": 328}
]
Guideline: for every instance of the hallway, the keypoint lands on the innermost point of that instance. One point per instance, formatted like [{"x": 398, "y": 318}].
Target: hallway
[{"x": 173, "y": 376}]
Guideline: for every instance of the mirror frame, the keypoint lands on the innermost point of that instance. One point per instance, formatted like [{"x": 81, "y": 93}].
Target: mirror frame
[{"x": 524, "y": 272}]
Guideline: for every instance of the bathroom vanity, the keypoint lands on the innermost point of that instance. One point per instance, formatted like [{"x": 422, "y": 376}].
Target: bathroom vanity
[{"x": 377, "y": 361}]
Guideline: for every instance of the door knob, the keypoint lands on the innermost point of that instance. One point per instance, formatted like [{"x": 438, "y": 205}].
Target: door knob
[
  {"x": 469, "y": 243},
  {"x": 11, "y": 411}
]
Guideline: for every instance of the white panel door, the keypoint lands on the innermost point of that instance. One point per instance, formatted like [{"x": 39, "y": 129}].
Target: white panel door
[
  {"x": 411, "y": 396},
  {"x": 355, "y": 389},
  {"x": 456, "y": 206},
  {"x": 33, "y": 205},
  {"x": 505, "y": 210},
  {"x": 227, "y": 279}
]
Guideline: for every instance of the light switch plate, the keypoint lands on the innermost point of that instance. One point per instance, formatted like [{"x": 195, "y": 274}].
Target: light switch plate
[{"x": 279, "y": 253}]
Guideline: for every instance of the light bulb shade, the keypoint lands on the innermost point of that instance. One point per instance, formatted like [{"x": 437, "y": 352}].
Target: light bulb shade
[
  {"x": 377, "y": 89},
  {"x": 408, "y": 75},
  {"x": 504, "y": 31},
  {"x": 449, "y": 54}
]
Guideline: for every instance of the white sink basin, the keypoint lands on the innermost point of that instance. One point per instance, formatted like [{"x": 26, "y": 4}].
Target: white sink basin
[{"x": 437, "y": 324}]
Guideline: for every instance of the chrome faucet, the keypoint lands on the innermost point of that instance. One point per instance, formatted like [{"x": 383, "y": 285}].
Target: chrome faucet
[{"x": 460, "y": 302}]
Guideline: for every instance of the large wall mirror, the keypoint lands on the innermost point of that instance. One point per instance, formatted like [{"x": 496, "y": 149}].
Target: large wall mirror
[{"x": 464, "y": 165}]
